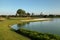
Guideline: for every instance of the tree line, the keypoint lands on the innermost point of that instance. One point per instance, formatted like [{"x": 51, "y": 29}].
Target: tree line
[{"x": 22, "y": 13}]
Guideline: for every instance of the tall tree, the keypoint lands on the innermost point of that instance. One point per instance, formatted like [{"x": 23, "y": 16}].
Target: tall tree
[
  {"x": 21, "y": 12},
  {"x": 32, "y": 14},
  {"x": 41, "y": 14},
  {"x": 28, "y": 14}
]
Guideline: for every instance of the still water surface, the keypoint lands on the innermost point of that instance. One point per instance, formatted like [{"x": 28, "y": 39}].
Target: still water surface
[{"x": 52, "y": 27}]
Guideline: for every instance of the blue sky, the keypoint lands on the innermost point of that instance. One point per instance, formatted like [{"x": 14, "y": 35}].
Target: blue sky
[{"x": 9, "y": 7}]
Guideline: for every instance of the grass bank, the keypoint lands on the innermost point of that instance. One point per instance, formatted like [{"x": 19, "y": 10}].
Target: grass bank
[
  {"x": 38, "y": 36},
  {"x": 6, "y": 33}
]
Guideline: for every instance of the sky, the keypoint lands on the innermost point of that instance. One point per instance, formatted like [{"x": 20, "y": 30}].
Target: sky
[{"x": 9, "y": 7}]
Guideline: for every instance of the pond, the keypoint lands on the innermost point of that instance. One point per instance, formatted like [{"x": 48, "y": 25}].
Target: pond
[{"x": 52, "y": 26}]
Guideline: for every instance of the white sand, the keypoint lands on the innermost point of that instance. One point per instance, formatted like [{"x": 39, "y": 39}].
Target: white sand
[{"x": 38, "y": 19}]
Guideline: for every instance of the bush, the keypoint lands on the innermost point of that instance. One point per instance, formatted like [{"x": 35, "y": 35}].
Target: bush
[{"x": 38, "y": 36}]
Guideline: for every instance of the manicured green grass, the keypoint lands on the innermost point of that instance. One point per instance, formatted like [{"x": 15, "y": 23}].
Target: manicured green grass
[{"x": 6, "y": 33}]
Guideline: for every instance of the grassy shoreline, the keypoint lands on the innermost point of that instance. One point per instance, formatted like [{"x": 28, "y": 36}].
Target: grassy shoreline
[
  {"x": 7, "y": 34},
  {"x": 37, "y": 35}
]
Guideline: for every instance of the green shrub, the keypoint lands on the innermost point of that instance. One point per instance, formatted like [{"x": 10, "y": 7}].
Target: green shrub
[{"x": 39, "y": 36}]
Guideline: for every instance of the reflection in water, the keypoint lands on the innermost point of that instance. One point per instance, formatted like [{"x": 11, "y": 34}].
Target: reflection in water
[
  {"x": 15, "y": 27},
  {"x": 18, "y": 26},
  {"x": 22, "y": 24}
]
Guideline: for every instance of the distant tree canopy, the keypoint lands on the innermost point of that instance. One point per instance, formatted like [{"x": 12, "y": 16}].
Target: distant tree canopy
[
  {"x": 20, "y": 12},
  {"x": 32, "y": 14},
  {"x": 28, "y": 14}
]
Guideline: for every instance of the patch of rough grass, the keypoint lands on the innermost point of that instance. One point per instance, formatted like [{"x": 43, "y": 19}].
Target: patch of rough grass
[{"x": 7, "y": 34}]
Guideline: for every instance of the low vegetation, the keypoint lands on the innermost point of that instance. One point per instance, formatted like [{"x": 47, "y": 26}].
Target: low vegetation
[{"x": 38, "y": 36}]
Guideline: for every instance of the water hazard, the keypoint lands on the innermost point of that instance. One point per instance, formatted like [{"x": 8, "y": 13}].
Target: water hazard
[{"x": 52, "y": 27}]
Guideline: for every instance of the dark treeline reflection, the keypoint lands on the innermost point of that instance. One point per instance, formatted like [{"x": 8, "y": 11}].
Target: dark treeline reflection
[
  {"x": 22, "y": 24},
  {"x": 18, "y": 26}
]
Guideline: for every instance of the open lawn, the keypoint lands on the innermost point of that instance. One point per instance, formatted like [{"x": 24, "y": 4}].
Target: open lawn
[{"x": 6, "y": 33}]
